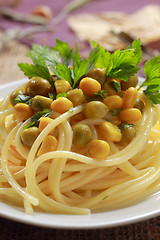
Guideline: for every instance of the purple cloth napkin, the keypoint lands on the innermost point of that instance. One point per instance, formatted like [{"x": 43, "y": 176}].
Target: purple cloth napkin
[{"x": 62, "y": 30}]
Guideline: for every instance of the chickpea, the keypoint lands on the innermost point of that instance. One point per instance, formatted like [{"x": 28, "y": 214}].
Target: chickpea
[
  {"x": 40, "y": 102},
  {"x": 98, "y": 149},
  {"x": 81, "y": 135},
  {"x": 29, "y": 135},
  {"x": 38, "y": 86},
  {"x": 76, "y": 96},
  {"x": 139, "y": 104},
  {"x": 95, "y": 109},
  {"x": 14, "y": 95},
  {"x": 132, "y": 82},
  {"x": 98, "y": 74}
]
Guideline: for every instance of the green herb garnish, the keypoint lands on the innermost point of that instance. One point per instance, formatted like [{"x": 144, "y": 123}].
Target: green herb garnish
[
  {"x": 120, "y": 64},
  {"x": 61, "y": 95},
  {"x": 105, "y": 197},
  {"x": 116, "y": 86},
  {"x": 38, "y": 68},
  {"x": 125, "y": 125},
  {"x": 35, "y": 118},
  {"x": 21, "y": 98},
  {"x": 152, "y": 80},
  {"x": 55, "y": 61},
  {"x": 100, "y": 93}
]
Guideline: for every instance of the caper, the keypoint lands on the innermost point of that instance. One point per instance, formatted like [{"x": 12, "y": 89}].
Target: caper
[
  {"x": 29, "y": 135},
  {"x": 40, "y": 102},
  {"x": 95, "y": 109},
  {"x": 131, "y": 82},
  {"x": 14, "y": 95},
  {"x": 38, "y": 86},
  {"x": 139, "y": 104},
  {"x": 98, "y": 74},
  {"x": 81, "y": 135}
]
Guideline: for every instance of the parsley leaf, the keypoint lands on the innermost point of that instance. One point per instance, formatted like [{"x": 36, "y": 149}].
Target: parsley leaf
[
  {"x": 120, "y": 64},
  {"x": 82, "y": 66},
  {"x": 50, "y": 57},
  {"x": 21, "y": 98},
  {"x": 64, "y": 72},
  {"x": 136, "y": 45},
  {"x": 100, "y": 93},
  {"x": 61, "y": 95},
  {"x": 152, "y": 72},
  {"x": 103, "y": 56},
  {"x": 125, "y": 125},
  {"x": 42, "y": 58},
  {"x": 39, "y": 68},
  {"x": 116, "y": 86},
  {"x": 93, "y": 57},
  {"x": 65, "y": 53},
  {"x": 35, "y": 118},
  {"x": 152, "y": 81},
  {"x": 153, "y": 95}
]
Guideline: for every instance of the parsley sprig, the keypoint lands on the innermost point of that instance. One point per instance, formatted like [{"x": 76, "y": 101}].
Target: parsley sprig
[
  {"x": 152, "y": 80},
  {"x": 35, "y": 118},
  {"x": 119, "y": 65},
  {"x": 57, "y": 61}
]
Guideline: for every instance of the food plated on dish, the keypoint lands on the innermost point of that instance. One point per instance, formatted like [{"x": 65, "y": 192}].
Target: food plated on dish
[{"x": 81, "y": 136}]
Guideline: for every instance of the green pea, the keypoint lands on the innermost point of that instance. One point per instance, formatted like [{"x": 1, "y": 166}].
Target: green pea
[
  {"x": 95, "y": 109},
  {"x": 40, "y": 102},
  {"x": 81, "y": 135},
  {"x": 29, "y": 135}
]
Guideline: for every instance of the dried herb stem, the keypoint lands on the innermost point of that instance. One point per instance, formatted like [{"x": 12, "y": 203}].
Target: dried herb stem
[
  {"x": 19, "y": 17},
  {"x": 17, "y": 33},
  {"x": 70, "y": 7}
]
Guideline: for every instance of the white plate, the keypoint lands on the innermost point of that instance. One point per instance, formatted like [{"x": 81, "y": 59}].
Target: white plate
[{"x": 142, "y": 211}]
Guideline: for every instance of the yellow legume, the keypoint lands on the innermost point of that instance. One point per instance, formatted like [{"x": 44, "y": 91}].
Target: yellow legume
[
  {"x": 49, "y": 144},
  {"x": 23, "y": 111},
  {"x": 130, "y": 115},
  {"x": 113, "y": 102},
  {"x": 89, "y": 86},
  {"x": 98, "y": 149},
  {"x": 76, "y": 96},
  {"x": 129, "y": 98},
  {"x": 95, "y": 109},
  {"x": 61, "y": 105},
  {"x": 43, "y": 122},
  {"x": 110, "y": 132},
  {"x": 62, "y": 86}
]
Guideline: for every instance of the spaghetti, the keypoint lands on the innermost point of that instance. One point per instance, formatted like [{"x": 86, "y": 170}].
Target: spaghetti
[{"x": 74, "y": 178}]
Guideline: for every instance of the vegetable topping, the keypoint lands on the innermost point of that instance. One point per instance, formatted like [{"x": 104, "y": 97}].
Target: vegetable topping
[{"x": 104, "y": 84}]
